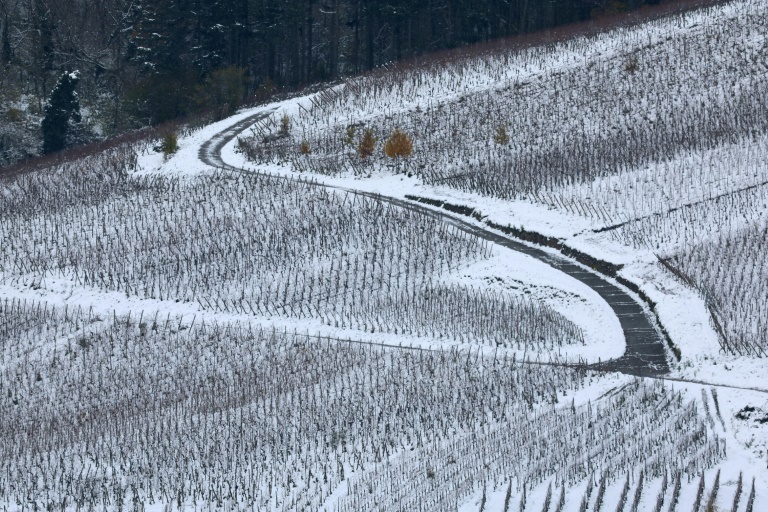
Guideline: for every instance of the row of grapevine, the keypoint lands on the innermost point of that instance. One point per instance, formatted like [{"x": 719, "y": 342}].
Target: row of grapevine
[
  {"x": 126, "y": 412},
  {"x": 267, "y": 246}
]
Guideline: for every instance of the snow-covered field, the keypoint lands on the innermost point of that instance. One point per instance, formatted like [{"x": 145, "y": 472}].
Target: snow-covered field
[{"x": 177, "y": 336}]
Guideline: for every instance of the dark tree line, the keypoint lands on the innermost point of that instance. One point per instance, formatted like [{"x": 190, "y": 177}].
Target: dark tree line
[
  {"x": 147, "y": 61},
  {"x": 293, "y": 42}
]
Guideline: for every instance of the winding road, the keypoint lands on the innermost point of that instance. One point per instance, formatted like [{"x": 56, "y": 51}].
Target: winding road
[{"x": 645, "y": 354}]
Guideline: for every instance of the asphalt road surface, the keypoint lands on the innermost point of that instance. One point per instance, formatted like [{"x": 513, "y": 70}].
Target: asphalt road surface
[{"x": 645, "y": 354}]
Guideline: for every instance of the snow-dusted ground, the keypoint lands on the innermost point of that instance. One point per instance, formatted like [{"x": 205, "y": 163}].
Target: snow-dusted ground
[
  {"x": 738, "y": 382},
  {"x": 635, "y": 191},
  {"x": 508, "y": 271},
  {"x": 681, "y": 310}
]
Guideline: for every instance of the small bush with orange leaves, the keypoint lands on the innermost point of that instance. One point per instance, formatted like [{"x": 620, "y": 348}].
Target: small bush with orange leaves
[
  {"x": 367, "y": 144},
  {"x": 399, "y": 145},
  {"x": 304, "y": 148}
]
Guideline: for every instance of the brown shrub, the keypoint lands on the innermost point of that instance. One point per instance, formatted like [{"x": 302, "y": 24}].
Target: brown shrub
[
  {"x": 285, "y": 125},
  {"x": 399, "y": 145},
  {"x": 14, "y": 115},
  {"x": 631, "y": 64},
  {"x": 501, "y": 138},
  {"x": 367, "y": 144}
]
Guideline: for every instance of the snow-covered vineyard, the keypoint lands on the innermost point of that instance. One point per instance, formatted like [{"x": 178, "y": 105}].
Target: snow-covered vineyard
[
  {"x": 141, "y": 410},
  {"x": 625, "y": 129},
  {"x": 266, "y": 246},
  {"x": 270, "y": 335}
]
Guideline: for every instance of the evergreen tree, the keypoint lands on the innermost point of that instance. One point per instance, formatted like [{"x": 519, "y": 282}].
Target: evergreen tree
[
  {"x": 162, "y": 46},
  {"x": 213, "y": 34},
  {"x": 159, "y": 41},
  {"x": 7, "y": 52},
  {"x": 61, "y": 109},
  {"x": 43, "y": 47}
]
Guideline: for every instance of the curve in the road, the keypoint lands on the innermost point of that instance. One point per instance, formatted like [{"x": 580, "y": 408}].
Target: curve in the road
[{"x": 645, "y": 354}]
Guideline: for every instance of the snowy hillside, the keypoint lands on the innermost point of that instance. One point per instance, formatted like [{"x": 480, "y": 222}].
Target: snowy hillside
[
  {"x": 267, "y": 333},
  {"x": 651, "y": 138}
]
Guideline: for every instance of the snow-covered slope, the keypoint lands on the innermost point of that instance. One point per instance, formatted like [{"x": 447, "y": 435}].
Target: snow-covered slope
[
  {"x": 643, "y": 141},
  {"x": 172, "y": 335},
  {"x": 640, "y": 143}
]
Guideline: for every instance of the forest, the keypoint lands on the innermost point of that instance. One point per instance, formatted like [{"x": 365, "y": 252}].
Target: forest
[{"x": 144, "y": 62}]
